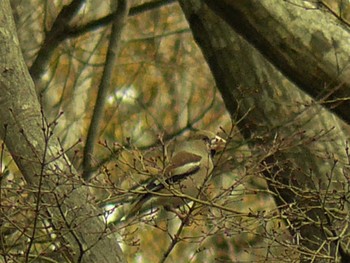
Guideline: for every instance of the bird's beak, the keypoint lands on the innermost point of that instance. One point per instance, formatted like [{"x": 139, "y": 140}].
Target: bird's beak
[{"x": 217, "y": 144}]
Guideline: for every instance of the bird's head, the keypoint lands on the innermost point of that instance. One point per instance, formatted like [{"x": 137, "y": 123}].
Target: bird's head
[{"x": 215, "y": 143}]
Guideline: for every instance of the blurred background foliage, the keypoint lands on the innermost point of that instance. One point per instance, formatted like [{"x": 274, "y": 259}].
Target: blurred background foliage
[{"x": 158, "y": 85}]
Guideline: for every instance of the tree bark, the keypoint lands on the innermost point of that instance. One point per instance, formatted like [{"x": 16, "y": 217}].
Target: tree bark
[
  {"x": 83, "y": 236},
  {"x": 308, "y": 44},
  {"x": 303, "y": 144}
]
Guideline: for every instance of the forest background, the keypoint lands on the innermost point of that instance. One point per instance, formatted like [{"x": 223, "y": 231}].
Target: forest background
[{"x": 91, "y": 92}]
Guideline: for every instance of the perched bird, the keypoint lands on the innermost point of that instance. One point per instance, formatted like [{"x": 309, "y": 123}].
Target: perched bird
[{"x": 190, "y": 167}]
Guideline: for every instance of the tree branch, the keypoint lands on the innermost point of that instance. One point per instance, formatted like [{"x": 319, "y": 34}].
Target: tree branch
[
  {"x": 61, "y": 31},
  {"x": 53, "y": 38},
  {"x": 304, "y": 52},
  {"x": 119, "y": 20},
  {"x": 64, "y": 199}
]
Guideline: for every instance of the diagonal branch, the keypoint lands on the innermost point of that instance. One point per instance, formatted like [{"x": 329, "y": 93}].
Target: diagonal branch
[
  {"x": 61, "y": 30},
  {"x": 119, "y": 21},
  {"x": 93, "y": 25},
  {"x": 312, "y": 54},
  {"x": 54, "y": 37}
]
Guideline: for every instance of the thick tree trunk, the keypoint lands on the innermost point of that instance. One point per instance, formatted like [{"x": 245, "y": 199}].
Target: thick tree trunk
[
  {"x": 82, "y": 234},
  {"x": 304, "y": 41},
  {"x": 303, "y": 144}
]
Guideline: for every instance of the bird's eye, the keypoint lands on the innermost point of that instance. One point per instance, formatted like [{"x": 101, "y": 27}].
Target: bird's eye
[{"x": 207, "y": 140}]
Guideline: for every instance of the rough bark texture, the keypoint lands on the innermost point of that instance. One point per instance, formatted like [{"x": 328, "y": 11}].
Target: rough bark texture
[
  {"x": 84, "y": 236},
  {"x": 304, "y": 144},
  {"x": 307, "y": 44}
]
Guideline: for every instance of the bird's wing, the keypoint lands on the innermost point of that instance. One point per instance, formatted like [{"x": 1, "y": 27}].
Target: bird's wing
[{"x": 182, "y": 165}]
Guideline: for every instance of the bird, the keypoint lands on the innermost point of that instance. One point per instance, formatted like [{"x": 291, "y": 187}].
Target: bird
[{"x": 183, "y": 179}]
